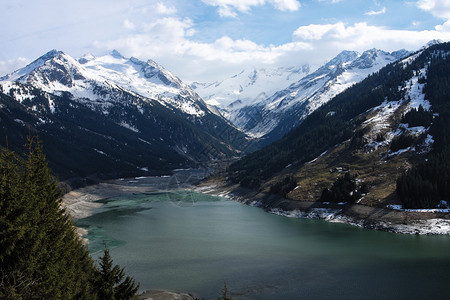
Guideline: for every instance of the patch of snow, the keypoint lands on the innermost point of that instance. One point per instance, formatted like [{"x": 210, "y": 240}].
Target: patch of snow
[
  {"x": 144, "y": 141},
  {"x": 101, "y": 152},
  {"x": 401, "y": 151},
  {"x": 422, "y": 210},
  {"x": 421, "y": 227},
  {"x": 128, "y": 126},
  {"x": 19, "y": 93},
  {"x": 316, "y": 158},
  {"x": 20, "y": 122}
]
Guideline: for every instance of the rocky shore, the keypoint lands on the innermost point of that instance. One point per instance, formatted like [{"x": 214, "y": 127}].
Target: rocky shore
[
  {"x": 385, "y": 219},
  {"x": 80, "y": 203}
]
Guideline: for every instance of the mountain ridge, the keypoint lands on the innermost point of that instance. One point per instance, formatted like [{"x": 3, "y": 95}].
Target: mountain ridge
[
  {"x": 270, "y": 117},
  {"x": 58, "y": 96}
]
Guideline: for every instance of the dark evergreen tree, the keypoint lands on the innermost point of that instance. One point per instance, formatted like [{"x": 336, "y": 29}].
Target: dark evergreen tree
[
  {"x": 418, "y": 117},
  {"x": 110, "y": 283},
  {"x": 402, "y": 141},
  {"x": 284, "y": 186},
  {"x": 344, "y": 189},
  {"x": 40, "y": 253}
]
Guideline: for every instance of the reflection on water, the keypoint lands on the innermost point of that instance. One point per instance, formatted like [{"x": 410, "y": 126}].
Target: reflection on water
[{"x": 189, "y": 242}]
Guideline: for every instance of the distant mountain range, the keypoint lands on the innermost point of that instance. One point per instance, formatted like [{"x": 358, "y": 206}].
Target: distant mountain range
[
  {"x": 111, "y": 116},
  {"x": 269, "y": 111}
]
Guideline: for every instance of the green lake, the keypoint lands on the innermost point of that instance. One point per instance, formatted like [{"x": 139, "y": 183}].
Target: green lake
[{"x": 189, "y": 242}]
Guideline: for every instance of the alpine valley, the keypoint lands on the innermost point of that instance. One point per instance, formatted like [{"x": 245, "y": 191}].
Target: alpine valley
[{"x": 359, "y": 129}]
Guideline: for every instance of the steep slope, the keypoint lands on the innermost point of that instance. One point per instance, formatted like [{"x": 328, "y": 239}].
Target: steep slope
[
  {"x": 93, "y": 118},
  {"x": 376, "y": 129}
]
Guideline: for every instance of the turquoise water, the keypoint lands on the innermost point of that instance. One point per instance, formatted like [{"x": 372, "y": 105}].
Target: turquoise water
[{"x": 189, "y": 242}]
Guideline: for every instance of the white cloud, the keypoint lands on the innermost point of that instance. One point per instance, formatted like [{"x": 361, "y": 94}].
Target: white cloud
[
  {"x": 362, "y": 36},
  {"x": 315, "y": 32},
  {"x": 168, "y": 42},
  {"x": 376, "y": 12},
  {"x": 438, "y": 8},
  {"x": 162, "y": 9},
  {"x": 7, "y": 66},
  {"x": 444, "y": 27},
  {"x": 171, "y": 41},
  {"x": 291, "y": 5},
  {"x": 155, "y": 29},
  {"x": 227, "y": 8},
  {"x": 226, "y": 11}
]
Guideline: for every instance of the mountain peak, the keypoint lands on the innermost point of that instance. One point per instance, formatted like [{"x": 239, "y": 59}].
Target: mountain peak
[
  {"x": 16, "y": 75},
  {"x": 116, "y": 54},
  {"x": 343, "y": 57},
  {"x": 47, "y": 56},
  {"x": 50, "y": 54},
  {"x": 399, "y": 54},
  {"x": 433, "y": 42}
]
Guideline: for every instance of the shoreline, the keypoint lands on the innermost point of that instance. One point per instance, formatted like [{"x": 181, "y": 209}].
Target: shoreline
[
  {"x": 420, "y": 222},
  {"x": 81, "y": 203}
]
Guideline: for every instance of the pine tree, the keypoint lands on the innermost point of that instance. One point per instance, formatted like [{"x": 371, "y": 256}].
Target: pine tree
[
  {"x": 40, "y": 253},
  {"x": 111, "y": 283}
]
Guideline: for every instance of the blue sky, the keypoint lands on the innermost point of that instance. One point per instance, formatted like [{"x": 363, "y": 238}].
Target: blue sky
[{"x": 206, "y": 40}]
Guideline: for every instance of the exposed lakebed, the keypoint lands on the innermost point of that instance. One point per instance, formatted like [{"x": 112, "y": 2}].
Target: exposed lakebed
[{"x": 184, "y": 241}]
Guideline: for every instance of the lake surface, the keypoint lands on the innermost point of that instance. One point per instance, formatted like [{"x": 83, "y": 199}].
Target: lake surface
[{"x": 188, "y": 242}]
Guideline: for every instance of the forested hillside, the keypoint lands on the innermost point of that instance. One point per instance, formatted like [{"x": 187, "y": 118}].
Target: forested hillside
[
  {"x": 429, "y": 182},
  {"x": 345, "y": 119}
]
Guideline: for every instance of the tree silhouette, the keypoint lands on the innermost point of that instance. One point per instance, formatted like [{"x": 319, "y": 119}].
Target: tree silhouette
[{"x": 111, "y": 283}]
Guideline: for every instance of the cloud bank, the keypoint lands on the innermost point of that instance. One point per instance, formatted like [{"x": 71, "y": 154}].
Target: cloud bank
[{"x": 165, "y": 32}]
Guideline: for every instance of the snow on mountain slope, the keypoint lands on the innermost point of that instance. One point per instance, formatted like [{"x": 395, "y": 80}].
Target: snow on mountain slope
[
  {"x": 99, "y": 80},
  {"x": 147, "y": 79},
  {"x": 249, "y": 86},
  {"x": 379, "y": 122},
  {"x": 274, "y": 116}
]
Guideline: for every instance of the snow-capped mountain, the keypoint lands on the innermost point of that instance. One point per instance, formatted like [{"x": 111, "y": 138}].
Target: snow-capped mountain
[
  {"x": 122, "y": 112},
  {"x": 272, "y": 117},
  {"x": 248, "y": 86},
  {"x": 99, "y": 78}
]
